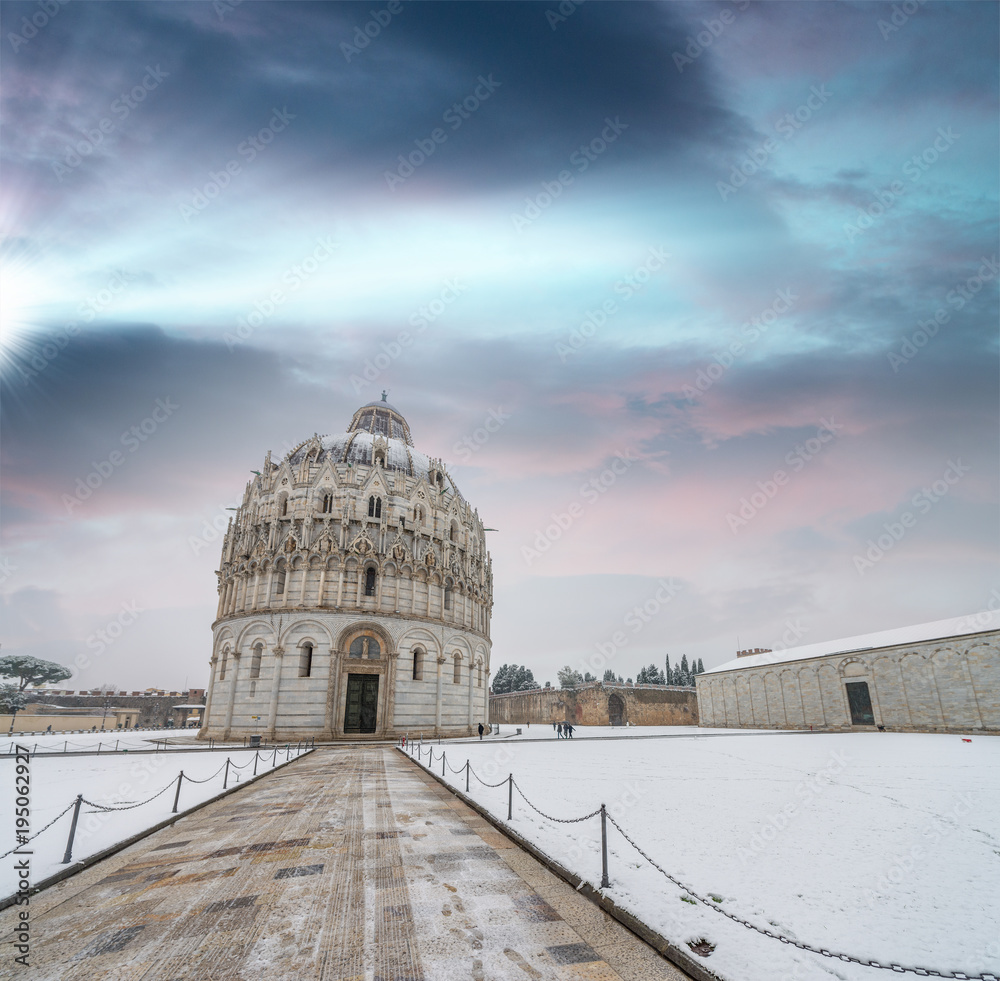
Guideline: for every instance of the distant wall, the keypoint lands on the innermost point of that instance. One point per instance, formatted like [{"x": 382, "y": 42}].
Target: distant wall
[
  {"x": 59, "y": 723},
  {"x": 590, "y": 705}
]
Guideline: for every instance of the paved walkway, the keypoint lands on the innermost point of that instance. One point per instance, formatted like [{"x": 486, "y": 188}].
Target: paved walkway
[{"x": 349, "y": 865}]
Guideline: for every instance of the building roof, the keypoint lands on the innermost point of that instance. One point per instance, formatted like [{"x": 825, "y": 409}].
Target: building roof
[{"x": 973, "y": 623}]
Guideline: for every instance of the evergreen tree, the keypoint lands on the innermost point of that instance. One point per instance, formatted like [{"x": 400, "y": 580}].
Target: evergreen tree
[
  {"x": 513, "y": 677},
  {"x": 587, "y": 676},
  {"x": 700, "y": 669},
  {"x": 668, "y": 674},
  {"x": 611, "y": 678},
  {"x": 568, "y": 677},
  {"x": 685, "y": 672}
]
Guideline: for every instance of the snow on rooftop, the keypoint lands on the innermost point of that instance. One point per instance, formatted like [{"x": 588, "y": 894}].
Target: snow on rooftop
[{"x": 973, "y": 623}]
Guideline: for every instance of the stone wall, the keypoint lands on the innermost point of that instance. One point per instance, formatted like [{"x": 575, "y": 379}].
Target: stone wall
[
  {"x": 592, "y": 705},
  {"x": 149, "y": 710},
  {"x": 934, "y": 686}
]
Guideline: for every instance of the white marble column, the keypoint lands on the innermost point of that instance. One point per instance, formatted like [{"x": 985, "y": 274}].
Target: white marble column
[
  {"x": 472, "y": 692},
  {"x": 232, "y": 694},
  {"x": 272, "y": 712},
  {"x": 437, "y": 709}
]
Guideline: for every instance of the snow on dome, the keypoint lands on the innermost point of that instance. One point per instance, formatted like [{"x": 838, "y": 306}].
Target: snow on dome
[{"x": 973, "y": 623}]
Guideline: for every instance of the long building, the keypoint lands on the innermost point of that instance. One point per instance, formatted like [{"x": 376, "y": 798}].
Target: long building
[{"x": 931, "y": 677}]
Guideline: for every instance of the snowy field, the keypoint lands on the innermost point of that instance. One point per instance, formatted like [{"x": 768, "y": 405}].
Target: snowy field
[
  {"x": 544, "y": 731},
  {"x": 114, "y": 780},
  {"x": 879, "y": 845}
]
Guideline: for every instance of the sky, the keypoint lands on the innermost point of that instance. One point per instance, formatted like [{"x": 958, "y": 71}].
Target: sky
[{"x": 697, "y": 302}]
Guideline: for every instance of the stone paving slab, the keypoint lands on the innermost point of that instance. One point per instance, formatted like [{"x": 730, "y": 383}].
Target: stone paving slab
[{"x": 349, "y": 865}]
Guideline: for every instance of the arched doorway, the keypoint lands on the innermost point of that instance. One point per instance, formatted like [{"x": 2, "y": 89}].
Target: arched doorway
[{"x": 616, "y": 710}]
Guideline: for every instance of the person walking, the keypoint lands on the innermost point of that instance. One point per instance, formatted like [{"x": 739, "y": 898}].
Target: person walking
[
  {"x": 559, "y": 731},
  {"x": 569, "y": 730},
  {"x": 481, "y": 731}
]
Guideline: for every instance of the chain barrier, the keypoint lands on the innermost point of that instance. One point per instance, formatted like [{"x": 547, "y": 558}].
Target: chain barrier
[
  {"x": 927, "y": 972},
  {"x": 461, "y": 769},
  {"x": 212, "y": 777},
  {"x": 549, "y": 817},
  {"x": 245, "y": 765},
  {"x": 128, "y": 807},
  {"x": 37, "y": 833},
  {"x": 846, "y": 958}
]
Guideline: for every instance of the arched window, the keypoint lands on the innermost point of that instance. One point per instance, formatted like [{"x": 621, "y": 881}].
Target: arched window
[
  {"x": 374, "y": 507},
  {"x": 224, "y": 664},
  {"x": 327, "y": 504},
  {"x": 365, "y": 646},
  {"x": 305, "y": 660},
  {"x": 279, "y": 582},
  {"x": 370, "y": 581},
  {"x": 284, "y": 506},
  {"x": 479, "y": 675},
  {"x": 418, "y": 664},
  {"x": 447, "y": 597},
  {"x": 454, "y": 531},
  {"x": 457, "y": 679},
  {"x": 258, "y": 652}
]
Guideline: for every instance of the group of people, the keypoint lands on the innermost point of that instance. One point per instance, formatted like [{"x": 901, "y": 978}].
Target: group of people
[{"x": 563, "y": 730}]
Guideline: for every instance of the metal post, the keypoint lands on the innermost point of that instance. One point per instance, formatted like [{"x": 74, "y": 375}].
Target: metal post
[
  {"x": 65, "y": 744},
  {"x": 117, "y": 741},
  {"x": 510, "y": 797},
  {"x": 466, "y": 776},
  {"x": 68, "y": 857},
  {"x": 604, "y": 848},
  {"x": 225, "y": 777},
  {"x": 288, "y": 752},
  {"x": 274, "y": 759},
  {"x": 98, "y": 747},
  {"x": 177, "y": 795},
  {"x": 443, "y": 755},
  {"x": 255, "y": 755}
]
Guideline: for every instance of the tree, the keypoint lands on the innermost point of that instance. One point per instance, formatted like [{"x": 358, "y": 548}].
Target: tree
[
  {"x": 611, "y": 678},
  {"x": 650, "y": 676},
  {"x": 685, "y": 673},
  {"x": 568, "y": 677},
  {"x": 12, "y": 699},
  {"x": 587, "y": 676},
  {"x": 701, "y": 667},
  {"x": 32, "y": 670},
  {"x": 107, "y": 690},
  {"x": 513, "y": 677},
  {"x": 668, "y": 674}
]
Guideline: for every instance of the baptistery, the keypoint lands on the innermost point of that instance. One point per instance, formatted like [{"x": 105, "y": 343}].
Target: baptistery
[{"x": 355, "y": 595}]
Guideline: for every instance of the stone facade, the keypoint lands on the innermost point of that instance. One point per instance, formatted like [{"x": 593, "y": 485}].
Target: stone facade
[
  {"x": 599, "y": 704},
  {"x": 355, "y": 595},
  {"x": 945, "y": 684}
]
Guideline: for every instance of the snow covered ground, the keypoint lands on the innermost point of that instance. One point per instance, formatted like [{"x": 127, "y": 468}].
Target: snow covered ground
[
  {"x": 544, "y": 730},
  {"x": 879, "y": 845},
  {"x": 53, "y": 742},
  {"x": 114, "y": 780}
]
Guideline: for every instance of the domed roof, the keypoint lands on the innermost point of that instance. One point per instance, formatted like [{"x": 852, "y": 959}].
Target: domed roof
[
  {"x": 381, "y": 418},
  {"x": 375, "y": 421}
]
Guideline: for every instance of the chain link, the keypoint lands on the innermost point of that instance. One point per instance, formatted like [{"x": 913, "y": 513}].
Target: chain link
[
  {"x": 586, "y": 817},
  {"x": 212, "y": 777},
  {"x": 483, "y": 782},
  {"x": 846, "y": 958},
  {"x": 37, "y": 833},
  {"x": 129, "y": 807}
]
